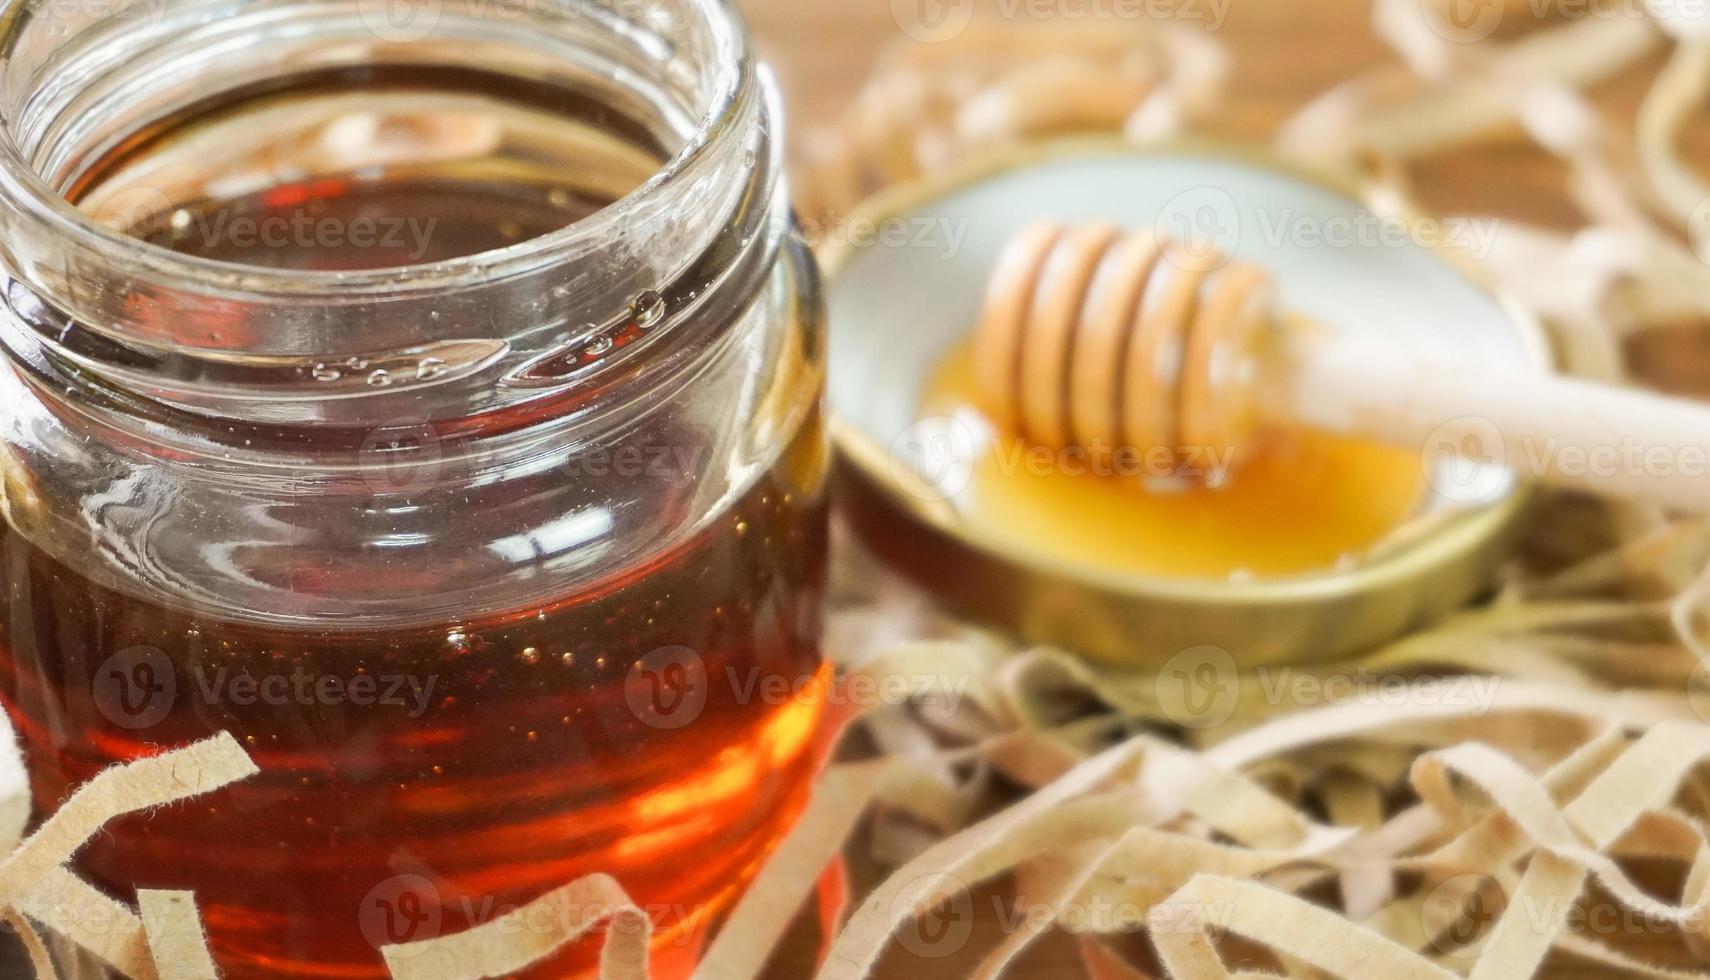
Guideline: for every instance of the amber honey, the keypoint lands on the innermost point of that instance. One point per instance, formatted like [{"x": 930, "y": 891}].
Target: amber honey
[
  {"x": 490, "y": 762},
  {"x": 423, "y": 778},
  {"x": 1309, "y": 502}
]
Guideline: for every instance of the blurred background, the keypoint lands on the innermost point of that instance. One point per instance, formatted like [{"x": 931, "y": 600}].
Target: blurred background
[
  {"x": 1282, "y": 57},
  {"x": 1554, "y": 117},
  {"x": 1283, "y": 54}
]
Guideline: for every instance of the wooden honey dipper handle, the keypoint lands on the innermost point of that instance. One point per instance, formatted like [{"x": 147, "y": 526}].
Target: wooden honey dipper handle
[
  {"x": 1563, "y": 431},
  {"x": 1102, "y": 340}
]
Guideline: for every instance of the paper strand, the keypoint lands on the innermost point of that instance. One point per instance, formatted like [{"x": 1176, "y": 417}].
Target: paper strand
[
  {"x": 176, "y": 939},
  {"x": 534, "y": 932}
]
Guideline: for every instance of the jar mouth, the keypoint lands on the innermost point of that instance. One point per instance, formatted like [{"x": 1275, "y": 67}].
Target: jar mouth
[
  {"x": 599, "y": 302},
  {"x": 47, "y": 212}
]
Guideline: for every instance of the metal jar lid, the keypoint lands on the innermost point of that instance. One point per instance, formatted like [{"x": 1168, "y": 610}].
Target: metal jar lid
[{"x": 906, "y": 276}]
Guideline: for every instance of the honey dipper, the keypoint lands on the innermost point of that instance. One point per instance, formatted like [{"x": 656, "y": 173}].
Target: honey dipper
[{"x": 1102, "y": 340}]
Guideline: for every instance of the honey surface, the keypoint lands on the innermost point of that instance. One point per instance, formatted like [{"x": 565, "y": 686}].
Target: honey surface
[
  {"x": 1309, "y": 502},
  {"x": 485, "y": 764}
]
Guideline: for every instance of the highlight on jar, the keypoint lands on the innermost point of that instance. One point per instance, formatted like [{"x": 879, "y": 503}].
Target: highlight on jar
[{"x": 414, "y": 477}]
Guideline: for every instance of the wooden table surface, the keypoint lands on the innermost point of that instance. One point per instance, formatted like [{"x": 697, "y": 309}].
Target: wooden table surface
[{"x": 1286, "y": 52}]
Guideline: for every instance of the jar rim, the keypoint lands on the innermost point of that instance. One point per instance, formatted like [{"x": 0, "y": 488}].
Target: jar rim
[
  {"x": 48, "y": 213},
  {"x": 499, "y": 338}
]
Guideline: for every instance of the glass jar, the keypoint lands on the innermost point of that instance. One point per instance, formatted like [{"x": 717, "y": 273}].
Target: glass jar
[{"x": 428, "y": 396}]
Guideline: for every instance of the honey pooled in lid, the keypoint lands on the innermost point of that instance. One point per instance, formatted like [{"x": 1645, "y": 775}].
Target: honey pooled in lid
[{"x": 1018, "y": 488}]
